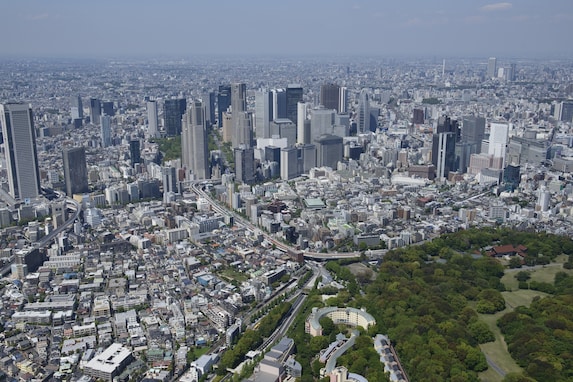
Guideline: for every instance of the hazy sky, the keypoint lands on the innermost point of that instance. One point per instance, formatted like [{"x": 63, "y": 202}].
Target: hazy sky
[{"x": 452, "y": 28}]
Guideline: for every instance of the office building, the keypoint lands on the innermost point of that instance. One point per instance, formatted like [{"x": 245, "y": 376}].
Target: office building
[
  {"x": 284, "y": 128},
  {"x": 263, "y": 113},
  {"x": 491, "y": 67},
  {"x": 107, "y": 108},
  {"x": 77, "y": 108},
  {"x": 343, "y": 100},
  {"x": 302, "y": 134},
  {"x": 209, "y": 103},
  {"x": 110, "y": 363},
  {"x": 95, "y": 111},
  {"x": 194, "y": 151},
  {"x": 279, "y": 103},
  {"x": 134, "y": 152},
  {"x": 75, "y": 170},
  {"x": 329, "y": 151},
  {"x": 242, "y": 129},
  {"x": 472, "y": 135},
  {"x": 244, "y": 164},
  {"x": 306, "y": 158},
  {"x": 238, "y": 97},
  {"x": 20, "y": 150},
  {"x": 446, "y": 134},
  {"x": 565, "y": 111},
  {"x": 105, "y": 130},
  {"x": 170, "y": 183},
  {"x": 321, "y": 122},
  {"x": 152, "y": 120},
  {"x": 330, "y": 96},
  {"x": 289, "y": 163},
  {"x": 498, "y": 134},
  {"x": 223, "y": 102},
  {"x": 293, "y": 97},
  {"x": 363, "y": 122},
  {"x": 173, "y": 110}
]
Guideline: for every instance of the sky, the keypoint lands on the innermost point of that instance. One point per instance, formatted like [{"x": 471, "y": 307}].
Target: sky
[{"x": 184, "y": 28}]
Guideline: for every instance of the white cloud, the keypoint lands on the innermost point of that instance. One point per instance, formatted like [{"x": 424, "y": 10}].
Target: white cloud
[{"x": 496, "y": 7}]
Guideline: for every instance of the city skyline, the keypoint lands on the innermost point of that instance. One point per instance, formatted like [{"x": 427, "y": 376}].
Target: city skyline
[{"x": 482, "y": 28}]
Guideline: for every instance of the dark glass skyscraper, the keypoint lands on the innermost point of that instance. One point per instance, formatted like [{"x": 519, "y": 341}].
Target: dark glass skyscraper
[
  {"x": 330, "y": 96},
  {"x": 95, "y": 111},
  {"x": 75, "y": 170},
  {"x": 444, "y": 141},
  {"x": 173, "y": 110},
  {"x": 293, "y": 97},
  {"x": 134, "y": 152},
  {"x": 223, "y": 102}
]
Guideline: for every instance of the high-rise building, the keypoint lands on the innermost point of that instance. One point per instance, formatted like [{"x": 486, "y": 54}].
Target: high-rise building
[
  {"x": 472, "y": 134},
  {"x": 77, "y": 108},
  {"x": 321, "y": 122},
  {"x": 279, "y": 103},
  {"x": 498, "y": 134},
  {"x": 209, "y": 103},
  {"x": 491, "y": 67},
  {"x": 173, "y": 110},
  {"x": 134, "y": 152},
  {"x": 105, "y": 130},
  {"x": 152, "y": 120},
  {"x": 306, "y": 158},
  {"x": 95, "y": 111},
  {"x": 107, "y": 108},
  {"x": 301, "y": 134},
  {"x": 565, "y": 111},
  {"x": 289, "y": 163},
  {"x": 330, "y": 96},
  {"x": 169, "y": 175},
  {"x": 293, "y": 97},
  {"x": 363, "y": 123},
  {"x": 343, "y": 100},
  {"x": 444, "y": 141},
  {"x": 240, "y": 119},
  {"x": 75, "y": 170},
  {"x": 244, "y": 164},
  {"x": 223, "y": 102},
  {"x": 20, "y": 150},
  {"x": 329, "y": 151},
  {"x": 263, "y": 113},
  {"x": 284, "y": 128},
  {"x": 194, "y": 151}
]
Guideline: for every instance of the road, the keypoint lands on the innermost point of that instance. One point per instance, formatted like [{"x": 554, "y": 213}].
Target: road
[
  {"x": 494, "y": 366},
  {"x": 240, "y": 221}
]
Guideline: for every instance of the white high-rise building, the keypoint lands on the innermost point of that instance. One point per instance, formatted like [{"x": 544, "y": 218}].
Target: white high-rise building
[
  {"x": 498, "y": 134},
  {"x": 152, "y": 120},
  {"x": 301, "y": 118},
  {"x": 20, "y": 150},
  {"x": 342, "y": 102},
  {"x": 194, "y": 150}
]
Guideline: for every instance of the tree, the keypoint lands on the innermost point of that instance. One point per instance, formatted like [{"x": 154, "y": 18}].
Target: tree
[{"x": 523, "y": 276}]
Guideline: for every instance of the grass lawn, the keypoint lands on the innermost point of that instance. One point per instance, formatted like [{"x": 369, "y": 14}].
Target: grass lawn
[
  {"x": 234, "y": 275},
  {"x": 541, "y": 274}
]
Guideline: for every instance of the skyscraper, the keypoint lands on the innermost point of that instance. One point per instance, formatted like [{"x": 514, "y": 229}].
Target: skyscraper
[
  {"x": 279, "y": 103},
  {"x": 152, "y": 121},
  {"x": 329, "y": 151},
  {"x": 498, "y": 133},
  {"x": 75, "y": 170},
  {"x": 105, "y": 130},
  {"x": 95, "y": 111},
  {"x": 472, "y": 134},
  {"x": 241, "y": 120},
  {"x": 134, "y": 152},
  {"x": 363, "y": 123},
  {"x": 223, "y": 102},
  {"x": 77, "y": 108},
  {"x": 491, "y": 68},
  {"x": 108, "y": 108},
  {"x": 244, "y": 164},
  {"x": 293, "y": 97},
  {"x": 330, "y": 96},
  {"x": 20, "y": 150},
  {"x": 263, "y": 113},
  {"x": 342, "y": 100},
  {"x": 209, "y": 103},
  {"x": 194, "y": 151},
  {"x": 173, "y": 110},
  {"x": 444, "y": 141},
  {"x": 301, "y": 133}
]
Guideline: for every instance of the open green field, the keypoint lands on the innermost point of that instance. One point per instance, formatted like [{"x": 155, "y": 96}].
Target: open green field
[{"x": 233, "y": 274}]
